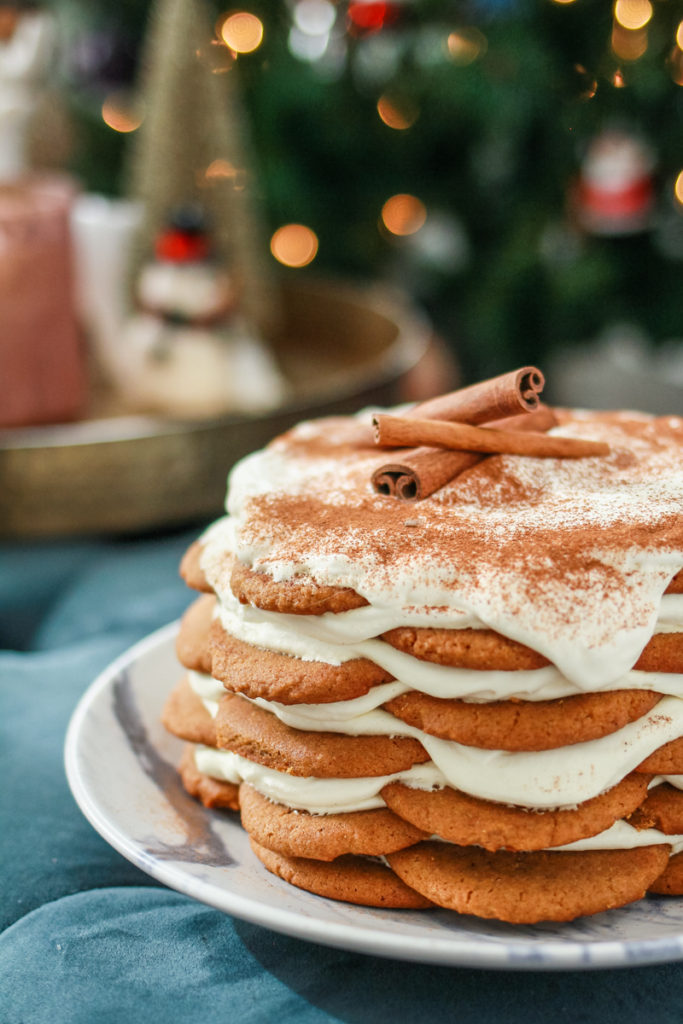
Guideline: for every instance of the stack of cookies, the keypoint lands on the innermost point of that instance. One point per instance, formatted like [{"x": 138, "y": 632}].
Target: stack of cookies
[{"x": 473, "y": 700}]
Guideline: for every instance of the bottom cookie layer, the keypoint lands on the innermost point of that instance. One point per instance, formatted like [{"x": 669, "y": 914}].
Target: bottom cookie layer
[
  {"x": 349, "y": 878},
  {"x": 670, "y": 882},
  {"x": 526, "y": 888},
  {"x": 519, "y": 888}
]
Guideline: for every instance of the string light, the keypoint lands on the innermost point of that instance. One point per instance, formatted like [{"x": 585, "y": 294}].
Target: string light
[
  {"x": 403, "y": 214},
  {"x": 242, "y": 32},
  {"x": 294, "y": 245},
  {"x": 632, "y": 14},
  {"x": 122, "y": 114}
]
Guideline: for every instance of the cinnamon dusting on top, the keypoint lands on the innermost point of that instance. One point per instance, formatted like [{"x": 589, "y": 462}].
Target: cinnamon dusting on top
[{"x": 549, "y": 551}]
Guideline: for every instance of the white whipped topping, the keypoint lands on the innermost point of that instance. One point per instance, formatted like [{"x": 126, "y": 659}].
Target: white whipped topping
[
  {"x": 544, "y": 779},
  {"x": 622, "y": 836},
  {"x": 318, "y": 796},
  {"x": 336, "y": 796},
  {"x": 307, "y": 637}
]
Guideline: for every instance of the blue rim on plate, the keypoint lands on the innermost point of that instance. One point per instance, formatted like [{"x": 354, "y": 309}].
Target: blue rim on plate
[{"x": 121, "y": 767}]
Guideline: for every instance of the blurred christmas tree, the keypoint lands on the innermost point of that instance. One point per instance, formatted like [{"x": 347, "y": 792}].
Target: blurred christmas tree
[{"x": 516, "y": 164}]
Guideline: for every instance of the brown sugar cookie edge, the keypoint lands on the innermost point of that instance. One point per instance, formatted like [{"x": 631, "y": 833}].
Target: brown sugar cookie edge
[
  {"x": 523, "y": 725},
  {"x": 260, "y": 736},
  {"x": 185, "y": 716},
  {"x": 527, "y": 888},
  {"x": 469, "y": 821},
  {"x": 254, "y": 672},
  {"x": 211, "y": 792},
  {"x": 349, "y": 879},
  {"x": 323, "y": 836},
  {"x": 297, "y": 596}
]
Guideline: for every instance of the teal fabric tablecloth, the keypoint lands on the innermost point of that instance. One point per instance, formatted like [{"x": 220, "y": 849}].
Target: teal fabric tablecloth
[{"x": 86, "y": 938}]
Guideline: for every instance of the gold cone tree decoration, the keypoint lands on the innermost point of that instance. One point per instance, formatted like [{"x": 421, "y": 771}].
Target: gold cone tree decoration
[{"x": 192, "y": 148}]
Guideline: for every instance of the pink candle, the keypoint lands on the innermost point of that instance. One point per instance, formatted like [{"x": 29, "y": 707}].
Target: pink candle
[{"x": 42, "y": 361}]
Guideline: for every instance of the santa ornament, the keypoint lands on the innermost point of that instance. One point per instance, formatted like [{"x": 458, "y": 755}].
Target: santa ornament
[{"x": 615, "y": 192}]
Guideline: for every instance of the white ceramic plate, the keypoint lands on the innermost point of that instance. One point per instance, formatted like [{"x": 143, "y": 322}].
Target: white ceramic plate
[{"x": 120, "y": 764}]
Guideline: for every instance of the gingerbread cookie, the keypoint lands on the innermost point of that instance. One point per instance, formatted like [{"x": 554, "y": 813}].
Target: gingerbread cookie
[
  {"x": 482, "y": 649},
  {"x": 349, "y": 878},
  {"x": 255, "y": 672},
  {"x": 210, "y": 792},
  {"x": 525, "y": 888},
  {"x": 670, "y": 882},
  {"x": 191, "y": 570},
  {"x": 464, "y": 648},
  {"x": 523, "y": 725},
  {"x": 259, "y": 736},
  {"x": 662, "y": 653},
  {"x": 666, "y": 760},
  {"x": 469, "y": 821},
  {"x": 323, "y": 837},
  {"x": 185, "y": 716},
  {"x": 192, "y": 642},
  {"x": 676, "y": 585},
  {"x": 300, "y": 595},
  {"x": 663, "y": 809}
]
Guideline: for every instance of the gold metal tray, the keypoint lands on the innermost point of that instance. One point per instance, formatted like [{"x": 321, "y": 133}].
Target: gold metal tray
[{"x": 340, "y": 346}]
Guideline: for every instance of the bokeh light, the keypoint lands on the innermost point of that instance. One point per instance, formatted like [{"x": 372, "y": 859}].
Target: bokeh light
[
  {"x": 222, "y": 170},
  {"x": 628, "y": 44},
  {"x": 371, "y": 16},
  {"x": 242, "y": 32},
  {"x": 678, "y": 188},
  {"x": 632, "y": 14},
  {"x": 397, "y": 114},
  {"x": 122, "y": 113},
  {"x": 588, "y": 84},
  {"x": 465, "y": 45},
  {"x": 675, "y": 65},
  {"x": 294, "y": 245},
  {"x": 314, "y": 17},
  {"x": 618, "y": 80},
  {"x": 679, "y": 36},
  {"x": 403, "y": 214}
]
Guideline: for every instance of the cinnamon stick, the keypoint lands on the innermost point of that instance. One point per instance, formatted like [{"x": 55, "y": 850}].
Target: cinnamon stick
[
  {"x": 512, "y": 396},
  {"x": 402, "y": 431},
  {"x": 422, "y": 471},
  {"x": 509, "y": 394}
]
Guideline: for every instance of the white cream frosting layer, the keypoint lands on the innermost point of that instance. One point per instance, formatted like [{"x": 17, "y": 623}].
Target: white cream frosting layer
[
  {"x": 328, "y": 638},
  {"x": 337, "y": 796},
  {"x": 541, "y": 780},
  {"x": 318, "y": 796},
  {"x": 622, "y": 836}
]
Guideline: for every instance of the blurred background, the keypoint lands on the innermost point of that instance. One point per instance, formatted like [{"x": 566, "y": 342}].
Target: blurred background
[{"x": 510, "y": 172}]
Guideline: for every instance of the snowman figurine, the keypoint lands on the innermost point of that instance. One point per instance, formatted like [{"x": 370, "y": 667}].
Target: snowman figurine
[{"x": 188, "y": 352}]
